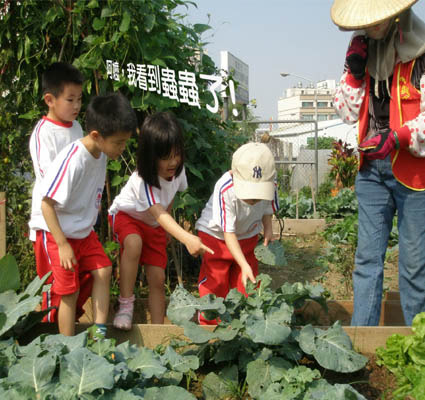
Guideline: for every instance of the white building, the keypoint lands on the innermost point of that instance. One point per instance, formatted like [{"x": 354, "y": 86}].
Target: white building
[{"x": 299, "y": 103}]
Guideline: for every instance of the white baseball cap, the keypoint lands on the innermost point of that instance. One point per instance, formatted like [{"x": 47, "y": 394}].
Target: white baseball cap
[{"x": 254, "y": 172}]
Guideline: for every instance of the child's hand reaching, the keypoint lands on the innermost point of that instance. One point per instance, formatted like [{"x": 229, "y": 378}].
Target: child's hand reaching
[
  {"x": 247, "y": 274},
  {"x": 195, "y": 247},
  {"x": 268, "y": 229}
]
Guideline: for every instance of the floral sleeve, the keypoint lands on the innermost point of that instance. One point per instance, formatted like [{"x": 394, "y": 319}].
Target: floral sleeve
[
  {"x": 417, "y": 126},
  {"x": 349, "y": 97}
]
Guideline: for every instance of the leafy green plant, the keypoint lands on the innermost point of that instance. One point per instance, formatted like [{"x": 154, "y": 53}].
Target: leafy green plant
[
  {"x": 288, "y": 206},
  {"x": 17, "y": 313},
  {"x": 343, "y": 204},
  {"x": 59, "y": 367},
  {"x": 322, "y": 142},
  {"x": 341, "y": 236},
  {"x": 404, "y": 356},
  {"x": 256, "y": 341}
]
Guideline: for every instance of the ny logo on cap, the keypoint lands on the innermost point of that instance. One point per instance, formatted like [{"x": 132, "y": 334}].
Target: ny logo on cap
[{"x": 256, "y": 172}]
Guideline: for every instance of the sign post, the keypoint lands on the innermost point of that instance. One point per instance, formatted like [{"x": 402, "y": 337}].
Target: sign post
[{"x": 235, "y": 68}]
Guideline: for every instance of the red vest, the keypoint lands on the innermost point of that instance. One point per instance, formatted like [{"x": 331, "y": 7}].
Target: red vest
[{"x": 404, "y": 106}]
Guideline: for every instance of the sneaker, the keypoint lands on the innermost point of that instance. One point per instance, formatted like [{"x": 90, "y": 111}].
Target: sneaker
[{"x": 124, "y": 316}]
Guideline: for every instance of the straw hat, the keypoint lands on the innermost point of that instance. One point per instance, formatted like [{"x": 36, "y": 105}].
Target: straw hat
[{"x": 359, "y": 14}]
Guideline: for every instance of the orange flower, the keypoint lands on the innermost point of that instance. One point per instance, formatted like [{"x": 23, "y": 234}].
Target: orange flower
[{"x": 334, "y": 192}]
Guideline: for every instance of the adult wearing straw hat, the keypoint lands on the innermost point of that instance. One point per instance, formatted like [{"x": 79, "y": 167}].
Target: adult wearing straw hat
[{"x": 383, "y": 90}]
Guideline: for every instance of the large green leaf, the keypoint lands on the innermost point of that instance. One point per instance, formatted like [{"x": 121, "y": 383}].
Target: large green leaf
[
  {"x": 171, "y": 378},
  {"x": 9, "y": 274},
  {"x": 71, "y": 342},
  {"x": 35, "y": 371},
  {"x": 147, "y": 363},
  {"x": 258, "y": 377},
  {"x": 120, "y": 394},
  {"x": 98, "y": 24},
  {"x": 3, "y": 319},
  {"x": 35, "y": 286},
  {"x": 125, "y": 23},
  {"x": 273, "y": 254},
  {"x": 126, "y": 351},
  {"x": 14, "y": 309},
  {"x": 167, "y": 392},
  {"x": 200, "y": 28},
  {"x": 149, "y": 22},
  {"x": 221, "y": 386},
  {"x": 331, "y": 348},
  {"x": 196, "y": 333},
  {"x": 183, "y": 305},
  {"x": 271, "y": 328},
  {"x": 86, "y": 371},
  {"x": 61, "y": 390},
  {"x": 179, "y": 363},
  {"x": 289, "y": 383},
  {"x": 324, "y": 390},
  {"x": 18, "y": 393}
]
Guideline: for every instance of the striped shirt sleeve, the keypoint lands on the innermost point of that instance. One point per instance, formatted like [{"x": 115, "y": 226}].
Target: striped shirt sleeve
[
  {"x": 58, "y": 181},
  {"x": 223, "y": 207}
]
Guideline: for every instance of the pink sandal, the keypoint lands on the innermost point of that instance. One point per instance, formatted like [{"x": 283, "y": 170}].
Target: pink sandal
[{"x": 124, "y": 316}]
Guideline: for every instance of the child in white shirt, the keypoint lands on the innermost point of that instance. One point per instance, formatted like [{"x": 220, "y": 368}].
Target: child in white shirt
[
  {"x": 62, "y": 86},
  {"x": 72, "y": 191},
  {"x": 243, "y": 202},
  {"x": 140, "y": 215}
]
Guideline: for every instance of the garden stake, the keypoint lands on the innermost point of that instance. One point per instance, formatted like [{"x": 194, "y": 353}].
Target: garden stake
[
  {"x": 179, "y": 270},
  {"x": 313, "y": 199},
  {"x": 296, "y": 205}
]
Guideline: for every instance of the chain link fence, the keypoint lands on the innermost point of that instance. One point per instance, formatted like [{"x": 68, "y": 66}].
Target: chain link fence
[{"x": 294, "y": 146}]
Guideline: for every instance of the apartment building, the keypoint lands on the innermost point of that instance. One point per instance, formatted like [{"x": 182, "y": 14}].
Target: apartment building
[{"x": 299, "y": 102}]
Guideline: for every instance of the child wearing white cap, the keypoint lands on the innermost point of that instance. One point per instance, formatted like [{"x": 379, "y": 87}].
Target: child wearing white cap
[{"x": 242, "y": 204}]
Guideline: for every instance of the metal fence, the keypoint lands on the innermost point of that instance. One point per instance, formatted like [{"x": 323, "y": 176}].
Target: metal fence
[{"x": 294, "y": 146}]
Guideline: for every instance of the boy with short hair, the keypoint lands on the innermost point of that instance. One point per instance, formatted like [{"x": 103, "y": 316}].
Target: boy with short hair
[
  {"x": 243, "y": 202},
  {"x": 62, "y": 86},
  {"x": 71, "y": 194}
]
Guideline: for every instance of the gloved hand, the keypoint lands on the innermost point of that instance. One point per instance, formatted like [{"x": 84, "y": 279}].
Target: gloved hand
[
  {"x": 380, "y": 146},
  {"x": 356, "y": 57}
]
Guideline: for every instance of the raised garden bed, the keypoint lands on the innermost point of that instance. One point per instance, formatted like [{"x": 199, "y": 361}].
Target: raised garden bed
[{"x": 365, "y": 339}]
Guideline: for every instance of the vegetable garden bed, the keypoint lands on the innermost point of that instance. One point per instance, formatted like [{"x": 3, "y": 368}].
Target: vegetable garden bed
[
  {"x": 366, "y": 339},
  {"x": 259, "y": 351}
]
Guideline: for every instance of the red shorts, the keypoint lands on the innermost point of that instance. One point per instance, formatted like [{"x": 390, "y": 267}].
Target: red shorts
[
  {"x": 88, "y": 252},
  {"x": 219, "y": 271},
  {"x": 154, "y": 238},
  {"x": 50, "y": 298}
]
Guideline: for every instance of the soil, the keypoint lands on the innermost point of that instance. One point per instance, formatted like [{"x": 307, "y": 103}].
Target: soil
[{"x": 306, "y": 262}]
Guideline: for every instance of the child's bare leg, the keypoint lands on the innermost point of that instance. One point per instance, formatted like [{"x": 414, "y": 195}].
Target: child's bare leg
[
  {"x": 129, "y": 264},
  {"x": 156, "y": 278},
  {"x": 66, "y": 314},
  {"x": 128, "y": 274},
  {"x": 100, "y": 294}
]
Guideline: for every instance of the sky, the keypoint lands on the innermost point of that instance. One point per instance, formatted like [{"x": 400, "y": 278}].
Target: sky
[{"x": 274, "y": 36}]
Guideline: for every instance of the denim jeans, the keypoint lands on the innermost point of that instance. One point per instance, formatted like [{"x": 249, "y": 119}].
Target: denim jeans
[{"x": 380, "y": 195}]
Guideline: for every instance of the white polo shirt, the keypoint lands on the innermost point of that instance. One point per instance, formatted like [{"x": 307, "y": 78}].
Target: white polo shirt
[
  {"x": 75, "y": 181},
  {"x": 47, "y": 140},
  {"x": 136, "y": 197},
  {"x": 224, "y": 212}
]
